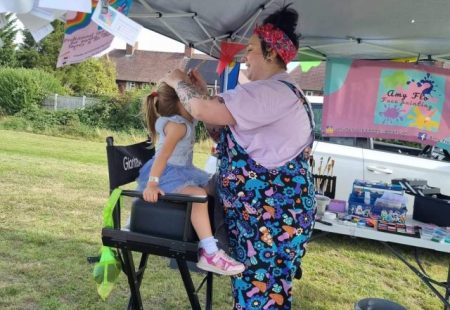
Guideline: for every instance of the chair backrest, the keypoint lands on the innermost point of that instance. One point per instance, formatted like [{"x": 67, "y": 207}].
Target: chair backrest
[{"x": 124, "y": 162}]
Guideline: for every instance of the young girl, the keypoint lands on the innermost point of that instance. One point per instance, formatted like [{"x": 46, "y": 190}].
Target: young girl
[{"x": 171, "y": 170}]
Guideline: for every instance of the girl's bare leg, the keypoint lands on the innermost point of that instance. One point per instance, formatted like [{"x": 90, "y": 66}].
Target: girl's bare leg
[{"x": 199, "y": 214}]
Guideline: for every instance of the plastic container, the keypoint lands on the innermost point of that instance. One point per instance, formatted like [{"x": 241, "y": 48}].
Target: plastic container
[
  {"x": 322, "y": 203},
  {"x": 337, "y": 206}
]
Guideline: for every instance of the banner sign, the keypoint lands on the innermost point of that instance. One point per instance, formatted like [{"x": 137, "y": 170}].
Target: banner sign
[
  {"x": 390, "y": 100},
  {"x": 83, "y": 37}
]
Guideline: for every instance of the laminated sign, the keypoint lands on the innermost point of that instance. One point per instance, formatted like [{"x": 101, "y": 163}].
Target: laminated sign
[{"x": 83, "y": 37}]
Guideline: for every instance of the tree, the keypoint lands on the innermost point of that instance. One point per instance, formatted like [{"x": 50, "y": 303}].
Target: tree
[
  {"x": 93, "y": 77},
  {"x": 8, "y": 35},
  {"x": 43, "y": 54}
]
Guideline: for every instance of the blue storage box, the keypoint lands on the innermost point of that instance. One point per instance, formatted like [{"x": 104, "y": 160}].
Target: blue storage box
[{"x": 366, "y": 200}]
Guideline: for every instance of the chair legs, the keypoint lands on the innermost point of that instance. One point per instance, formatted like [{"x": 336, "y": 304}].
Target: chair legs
[
  {"x": 139, "y": 277},
  {"x": 188, "y": 284},
  {"x": 135, "y": 280},
  {"x": 136, "y": 301},
  {"x": 209, "y": 288}
]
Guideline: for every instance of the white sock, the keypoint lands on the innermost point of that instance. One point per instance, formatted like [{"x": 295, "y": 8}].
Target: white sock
[{"x": 209, "y": 245}]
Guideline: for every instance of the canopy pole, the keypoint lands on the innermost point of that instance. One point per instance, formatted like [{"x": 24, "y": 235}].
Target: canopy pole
[
  {"x": 250, "y": 21},
  {"x": 174, "y": 32},
  {"x": 388, "y": 48},
  {"x": 161, "y": 15},
  {"x": 199, "y": 23},
  {"x": 210, "y": 39},
  {"x": 150, "y": 9}
]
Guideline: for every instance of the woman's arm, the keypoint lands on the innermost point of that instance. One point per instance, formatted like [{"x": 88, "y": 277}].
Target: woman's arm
[
  {"x": 174, "y": 133},
  {"x": 209, "y": 109}
]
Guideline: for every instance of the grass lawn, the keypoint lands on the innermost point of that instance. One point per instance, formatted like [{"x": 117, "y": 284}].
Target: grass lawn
[{"x": 52, "y": 192}]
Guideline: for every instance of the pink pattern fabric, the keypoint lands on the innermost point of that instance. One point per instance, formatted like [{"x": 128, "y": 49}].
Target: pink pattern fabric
[{"x": 278, "y": 40}]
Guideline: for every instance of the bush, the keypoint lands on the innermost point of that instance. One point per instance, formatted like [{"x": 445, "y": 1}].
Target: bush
[
  {"x": 119, "y": 113},
  {"x": 25, "y": 88},
  {"x": 15, "y": 123}
]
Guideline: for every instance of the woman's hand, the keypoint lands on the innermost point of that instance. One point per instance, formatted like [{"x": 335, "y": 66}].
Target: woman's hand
[
  {"x": 151, "y": 192},
  {"x": 196, "y": 79},
  {"x": 173, "y": 77}
]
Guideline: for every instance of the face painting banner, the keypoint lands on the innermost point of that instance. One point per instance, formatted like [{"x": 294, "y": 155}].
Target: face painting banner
[
  {"x": 84, "y": 38},
  {"x": 385, "y": 99}
]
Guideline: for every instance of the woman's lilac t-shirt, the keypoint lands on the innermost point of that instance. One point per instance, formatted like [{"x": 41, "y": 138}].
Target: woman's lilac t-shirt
[{"x": 271, "y": 123}]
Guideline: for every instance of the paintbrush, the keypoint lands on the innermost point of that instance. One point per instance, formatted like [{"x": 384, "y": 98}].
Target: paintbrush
[
  {"x": 326, "y": 172},
  {"x": 320, "y": 166},
  {"x": 331, "y": 173},
  {"x": 325, "y": 168},
  {"x": 329, "y": 176},
  {"x": 319, "y": 170}
]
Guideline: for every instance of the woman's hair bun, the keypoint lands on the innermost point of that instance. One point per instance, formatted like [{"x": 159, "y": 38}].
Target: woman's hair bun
[{"x": 285, "y": 19}]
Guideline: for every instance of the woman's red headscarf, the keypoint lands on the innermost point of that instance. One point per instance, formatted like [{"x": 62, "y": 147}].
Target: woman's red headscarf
[{"x": 275, "y": 38}]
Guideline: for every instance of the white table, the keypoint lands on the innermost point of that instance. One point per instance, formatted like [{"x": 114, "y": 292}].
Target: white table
[{"x": 339, "y": 227}]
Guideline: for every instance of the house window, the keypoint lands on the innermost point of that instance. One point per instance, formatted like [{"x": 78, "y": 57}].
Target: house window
[
  {"x": 131, "y": 85},
  {"x": 211, "y": 91},
  {"x": 309, "y": 93}
]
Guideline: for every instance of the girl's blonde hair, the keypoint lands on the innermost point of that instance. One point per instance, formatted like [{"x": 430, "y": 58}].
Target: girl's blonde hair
[{"x": 162, "y": 102}]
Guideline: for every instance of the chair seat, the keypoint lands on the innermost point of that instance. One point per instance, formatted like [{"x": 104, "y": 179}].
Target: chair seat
[{"x": 150, "y": 244}]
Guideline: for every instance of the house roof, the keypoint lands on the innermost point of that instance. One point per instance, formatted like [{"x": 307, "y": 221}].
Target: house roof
[
  {"x": 145, "y": 66},
  {"x": 151, "y": 66},
  {"x": 313, "y": 80}
]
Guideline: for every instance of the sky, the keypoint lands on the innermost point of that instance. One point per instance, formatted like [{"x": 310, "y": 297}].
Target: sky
[{"x": 152, "y": 41}]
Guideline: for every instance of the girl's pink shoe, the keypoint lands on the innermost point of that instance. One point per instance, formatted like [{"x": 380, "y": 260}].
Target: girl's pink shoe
[{"x": 219, "y": 263}]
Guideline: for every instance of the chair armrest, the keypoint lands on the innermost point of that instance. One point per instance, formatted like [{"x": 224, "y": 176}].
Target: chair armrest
[{"x": 169, "y": 197}]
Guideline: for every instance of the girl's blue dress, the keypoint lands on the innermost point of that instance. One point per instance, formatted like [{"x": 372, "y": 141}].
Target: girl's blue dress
[{"x": 180, "y": 171}]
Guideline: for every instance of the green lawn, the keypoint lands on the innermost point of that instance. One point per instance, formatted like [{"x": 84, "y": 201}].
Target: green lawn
[{"x": 52, "y": 192}]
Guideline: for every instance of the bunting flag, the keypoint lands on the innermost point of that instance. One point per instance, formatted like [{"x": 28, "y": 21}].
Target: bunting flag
[
  {"x": 227, "y": 52},
  {"x": 305, "y": 66},
  {"x": 230, "y": 80},
  {"x": 83, "y": 38},
  {"x": 385, "y": 99}
]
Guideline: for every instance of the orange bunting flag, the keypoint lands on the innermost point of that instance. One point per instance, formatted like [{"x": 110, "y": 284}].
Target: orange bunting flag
[{"x": 227, "y": 52}]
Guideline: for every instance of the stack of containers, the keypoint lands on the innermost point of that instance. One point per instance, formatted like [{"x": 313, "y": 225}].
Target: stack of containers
[{"x": 379, "y": 200}]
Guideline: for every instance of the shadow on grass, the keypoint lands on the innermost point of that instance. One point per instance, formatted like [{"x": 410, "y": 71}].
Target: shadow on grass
[{"x": 38, "y": 271}]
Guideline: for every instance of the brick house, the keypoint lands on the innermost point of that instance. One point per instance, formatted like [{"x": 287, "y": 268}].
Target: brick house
[
  {"x": 136, "y": 68},
  {"x": 311, "y": 82}
]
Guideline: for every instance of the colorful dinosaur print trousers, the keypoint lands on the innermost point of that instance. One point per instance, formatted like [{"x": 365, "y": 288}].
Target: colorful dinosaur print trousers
[{"x": 269, "y": 214}]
